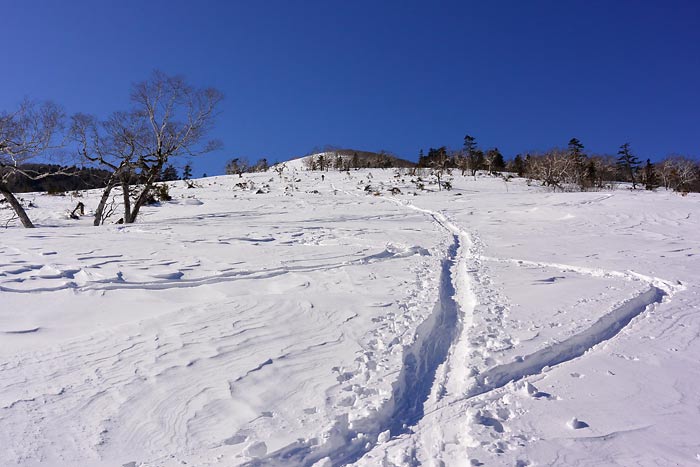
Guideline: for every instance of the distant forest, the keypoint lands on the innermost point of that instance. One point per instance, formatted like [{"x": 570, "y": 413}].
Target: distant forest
[
  {"x": 568, "y": 169},
  {"x": 345, "y": 159},
  {"x": 564, "y": 169},
  {"x": 56, "y": 179}
]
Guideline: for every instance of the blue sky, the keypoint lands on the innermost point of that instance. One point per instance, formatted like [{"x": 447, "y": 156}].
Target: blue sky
[{"x": 399, "y": 76}]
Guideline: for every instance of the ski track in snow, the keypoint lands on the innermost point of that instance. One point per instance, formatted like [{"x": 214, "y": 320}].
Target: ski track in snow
[
  {"x": 434, "y": 341},
  {"x": 429, "y": 350},
  {"x": 603, "y": 329}
]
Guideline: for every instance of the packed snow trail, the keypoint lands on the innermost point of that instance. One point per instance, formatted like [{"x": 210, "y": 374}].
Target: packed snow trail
[
  {"x": 433, "y": 339},
  {"x": 433, "y": 342}
]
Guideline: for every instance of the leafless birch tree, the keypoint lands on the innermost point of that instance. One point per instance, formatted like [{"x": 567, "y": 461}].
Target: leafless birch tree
[
  {"x": 25, "y": 134},
  {"x": 169, "y": 118}
]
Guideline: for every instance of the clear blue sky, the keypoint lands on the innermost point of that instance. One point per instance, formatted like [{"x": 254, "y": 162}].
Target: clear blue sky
[{"x": 400, "y": 76}]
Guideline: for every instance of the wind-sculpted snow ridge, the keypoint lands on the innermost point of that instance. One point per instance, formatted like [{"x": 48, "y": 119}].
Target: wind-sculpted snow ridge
[
  {"x": 348, "y": 442},
  {"x": 175, "y": 280},
  {"x": 602, "y": 330}
]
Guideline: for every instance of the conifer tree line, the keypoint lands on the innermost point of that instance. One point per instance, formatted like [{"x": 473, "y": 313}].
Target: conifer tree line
[
  {"x": 571, "y": 168},
  {"x": 568, "y": 169}
]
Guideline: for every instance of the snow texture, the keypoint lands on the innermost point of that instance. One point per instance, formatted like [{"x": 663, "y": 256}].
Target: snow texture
[{"x": 297, "y": 320}]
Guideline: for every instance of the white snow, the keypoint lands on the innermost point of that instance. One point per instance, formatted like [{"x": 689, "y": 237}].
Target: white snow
[{"x": 319, "y": 323}]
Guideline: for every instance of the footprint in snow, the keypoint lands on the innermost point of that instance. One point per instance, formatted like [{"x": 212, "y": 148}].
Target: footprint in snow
[
  {"x": 576, "y": 424},
  {"x": 535, "y": 393},
  {"x": 236, "y": 439},
  {"x": 256, "y": 449},
  {"x": 485, "y": 419}
]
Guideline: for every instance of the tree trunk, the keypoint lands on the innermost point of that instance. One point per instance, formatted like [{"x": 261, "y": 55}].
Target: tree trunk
[
  {"x": 103, "y": 202},
  {"x": 16, "y": 206},
  {"x": 127, "y": 200},
  {"x": 111, "y": 183},
  {"x": 143, "y": 196}
]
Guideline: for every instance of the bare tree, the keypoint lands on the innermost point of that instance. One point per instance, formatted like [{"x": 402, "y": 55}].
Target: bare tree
[
  {"x": 665, "y": 170},
  {"x": 678, "y": 173},
  {"x": 238, "y": 166},
  {"x": 113, "y": 144},
  {"x": 602, "y": 171},
  {"x": 553, "y": 168},
  {"x": 27, "y": 133},
  {"x": 169, "y": 118},
  {"x": 493, "y": 159}
]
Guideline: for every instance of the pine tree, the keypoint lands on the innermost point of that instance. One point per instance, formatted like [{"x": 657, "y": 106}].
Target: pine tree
[
  {"x": 475, "y": 157},
  {"x": 187, "y": 172},
  {"x": 578, "y": 157},
  {"x": 576, "y": 148},
  {"x": 650, "y": 179},
  {"x": 591, "y": 174},
  {"x": 169, "y": 174},
  {"x": 628, "y": 163},
  {"x": 422, "y": 162},
  {"x": 519, "y": 165}
]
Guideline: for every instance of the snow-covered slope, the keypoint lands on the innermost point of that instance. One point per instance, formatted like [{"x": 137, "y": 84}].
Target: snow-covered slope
[{"x": 294, "y": 320}]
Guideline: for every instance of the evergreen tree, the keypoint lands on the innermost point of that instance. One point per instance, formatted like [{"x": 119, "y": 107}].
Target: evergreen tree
[
  {"x": 578, "y": 157},
  {"x": 499, "y": 164},
  {"x": 628, "y": 163},
  {"x": 475, "y": 157},
  {"x": 169, "y": 174},
  {"x": 421, "y": 159},
  {"x": 187, "y": 172},
  {"x": 469, "y": 144},
  {"x": 519, "y": 165},
  {"x": 591, "y": 175},
  {"x": 576, "y": 148},
  {"x": 494, "y": 160},
  {"x": 321, "y": 161},
  {"x": 650, "y": 179}
]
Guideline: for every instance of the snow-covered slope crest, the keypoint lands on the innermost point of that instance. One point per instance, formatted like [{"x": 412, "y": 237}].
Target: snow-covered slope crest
[
  {"x": 303, "y": 320},
  {"x": 345, "y": 159},
  {"x": 297, "y": 163},
  {"x": 304, "y": 162}
]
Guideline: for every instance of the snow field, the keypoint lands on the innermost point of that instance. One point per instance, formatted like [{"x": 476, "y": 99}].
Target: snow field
[{"x": 494, "y": 324}]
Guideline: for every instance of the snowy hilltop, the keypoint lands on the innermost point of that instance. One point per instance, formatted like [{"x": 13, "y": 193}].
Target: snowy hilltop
[{"x": 359, "y": 317}]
